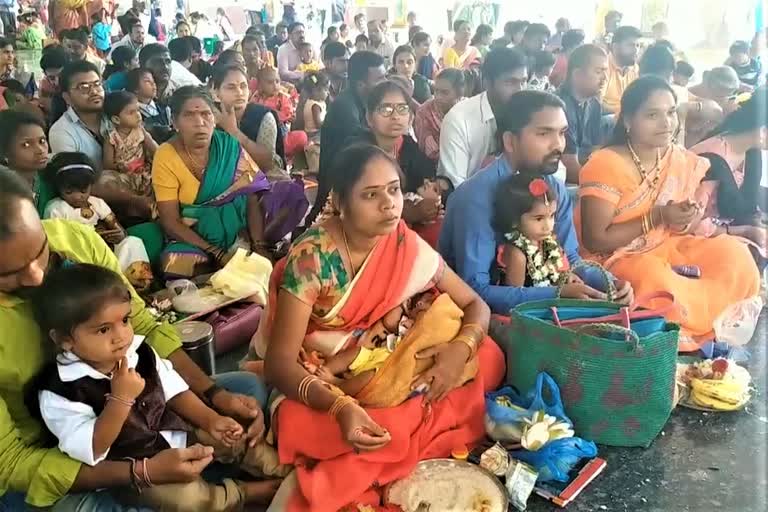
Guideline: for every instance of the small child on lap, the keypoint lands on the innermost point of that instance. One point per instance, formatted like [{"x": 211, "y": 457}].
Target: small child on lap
[
  {"x": 110, "y": 396},
  {"x": 524, "y": 215}
]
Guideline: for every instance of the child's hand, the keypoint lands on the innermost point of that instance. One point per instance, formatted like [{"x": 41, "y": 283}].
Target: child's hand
[
  {"x": 574, "y": 279},
  {"x": 126, "y": 382},
  {"x": 114, "y": 236},
  {"x": 225, "y": 430}
]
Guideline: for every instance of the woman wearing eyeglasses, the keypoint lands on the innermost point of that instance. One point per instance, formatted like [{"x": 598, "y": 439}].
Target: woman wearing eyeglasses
[{"x": 389, "y": 118}]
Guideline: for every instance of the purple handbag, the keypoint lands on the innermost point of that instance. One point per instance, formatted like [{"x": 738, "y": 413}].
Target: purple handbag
[{"x": 234, "y": 325}]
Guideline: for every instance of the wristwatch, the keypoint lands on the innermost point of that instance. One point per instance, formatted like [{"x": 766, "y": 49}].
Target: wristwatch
[{"x": 211, "y": 392}]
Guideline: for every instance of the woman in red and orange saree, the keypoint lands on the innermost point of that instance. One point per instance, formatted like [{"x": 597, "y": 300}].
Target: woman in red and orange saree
[
  {"x": 338, "y": 280},
  {"x": 637, "y": 215}
]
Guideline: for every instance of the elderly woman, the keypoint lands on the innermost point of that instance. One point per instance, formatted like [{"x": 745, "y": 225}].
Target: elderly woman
[
  {"x": 341, "y": 277},
  {"x": 449, "y": 89},
  {"x": 210, "y": 193},
  {"x": 638, "y": 215}
]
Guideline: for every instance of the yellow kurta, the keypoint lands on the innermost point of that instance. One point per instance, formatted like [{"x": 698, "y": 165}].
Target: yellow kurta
[{"x": 46, "y": 474}]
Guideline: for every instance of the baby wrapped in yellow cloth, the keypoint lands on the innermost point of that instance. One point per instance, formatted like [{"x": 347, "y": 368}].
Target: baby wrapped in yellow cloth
[{"x": 378, "y": 371}]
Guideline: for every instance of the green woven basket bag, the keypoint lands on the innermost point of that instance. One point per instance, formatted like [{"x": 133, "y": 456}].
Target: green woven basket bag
[{"x": 617, "y": 387}]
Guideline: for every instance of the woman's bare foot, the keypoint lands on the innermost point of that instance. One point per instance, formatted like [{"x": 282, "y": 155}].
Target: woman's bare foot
[
  {"x": 260, "y": 492},
  {"x": 326, "y": 376}
]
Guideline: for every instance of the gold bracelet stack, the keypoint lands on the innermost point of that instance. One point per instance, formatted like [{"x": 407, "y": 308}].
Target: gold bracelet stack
[
  {"x": 340, "y": 403},
  {"x": 468, "y": 339},
  {"x": 304, "y": 385},
  {"x": 647, "y": 222}
]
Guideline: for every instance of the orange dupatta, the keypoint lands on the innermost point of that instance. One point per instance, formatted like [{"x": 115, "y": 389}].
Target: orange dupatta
[{"x": 400, "y": 265}]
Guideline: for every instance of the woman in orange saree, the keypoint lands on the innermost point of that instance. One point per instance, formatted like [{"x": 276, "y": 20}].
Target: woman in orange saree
[
  {"x": 339, "y": 279},
  {"x": 637, "y": 214}
]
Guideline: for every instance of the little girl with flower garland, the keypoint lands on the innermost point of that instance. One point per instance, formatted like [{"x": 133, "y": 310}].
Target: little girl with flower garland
[{"x": 524, "y": 213}]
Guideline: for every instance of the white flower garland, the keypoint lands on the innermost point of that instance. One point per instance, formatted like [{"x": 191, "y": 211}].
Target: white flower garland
[{"x": 543, "y": 262}]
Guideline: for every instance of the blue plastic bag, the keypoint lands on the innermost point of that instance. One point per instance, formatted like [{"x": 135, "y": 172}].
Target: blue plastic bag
[
  {"x": 556, "y": 459},
  {"x": 505, "y": 423}
]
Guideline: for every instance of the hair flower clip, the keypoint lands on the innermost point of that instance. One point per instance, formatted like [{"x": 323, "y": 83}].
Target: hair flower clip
[{"x": 539, "y": 188}]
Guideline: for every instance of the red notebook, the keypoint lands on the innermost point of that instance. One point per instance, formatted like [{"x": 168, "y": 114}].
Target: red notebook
[{"x": 561, "y": 494}]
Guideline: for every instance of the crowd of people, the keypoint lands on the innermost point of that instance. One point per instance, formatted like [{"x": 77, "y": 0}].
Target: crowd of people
[{"x": 474, "y": 169}]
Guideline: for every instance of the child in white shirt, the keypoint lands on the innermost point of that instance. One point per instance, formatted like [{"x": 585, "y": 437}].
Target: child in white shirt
[
  {"x": 72, "y": 175},
  {"x": 110, "y": 396}
]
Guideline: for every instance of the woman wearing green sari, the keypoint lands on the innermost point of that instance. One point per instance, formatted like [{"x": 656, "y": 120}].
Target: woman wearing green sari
[{"x": 211, "y": 196}]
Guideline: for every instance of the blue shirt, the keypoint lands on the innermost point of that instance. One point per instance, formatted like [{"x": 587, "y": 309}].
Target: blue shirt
[
  {"x": 116, "y": 81},
  {"x": 69, "y": 134},
  {"x": 102, "y": 36},
  {"x": 468, "y": 241},
  {"x": 585, "y": 125}
]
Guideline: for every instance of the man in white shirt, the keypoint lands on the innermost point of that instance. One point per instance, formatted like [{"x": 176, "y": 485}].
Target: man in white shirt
[
  {"x": 135, "y": 39},
  {"x": 288, "y": 56},
  {"x": 359, "y": 28},
  {"x": 169, "y": 75},
  {"x": 378, "y": 42},
  {"x": 468, "y": 133}
]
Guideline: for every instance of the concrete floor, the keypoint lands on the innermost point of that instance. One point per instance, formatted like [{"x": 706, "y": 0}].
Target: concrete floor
[{"x": 701, "y": 461}]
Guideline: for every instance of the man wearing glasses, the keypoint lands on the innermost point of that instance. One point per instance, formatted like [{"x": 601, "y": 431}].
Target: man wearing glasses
[{"x": 82, "y": 128}]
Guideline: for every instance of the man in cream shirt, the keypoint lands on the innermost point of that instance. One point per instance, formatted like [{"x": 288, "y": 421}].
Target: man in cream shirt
[{"x": 468, "y": 133}]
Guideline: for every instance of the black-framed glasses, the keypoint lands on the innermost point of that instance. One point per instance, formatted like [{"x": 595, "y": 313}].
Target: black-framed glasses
[{"x": 388, "y": 109}]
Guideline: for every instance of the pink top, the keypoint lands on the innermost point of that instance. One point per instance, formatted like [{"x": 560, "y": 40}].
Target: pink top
[{"x": 707, "y": 191}]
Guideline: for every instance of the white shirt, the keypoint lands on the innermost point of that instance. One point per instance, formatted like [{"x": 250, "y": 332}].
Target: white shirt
[
  {"x": 467, "y": 138},
  {"x": 60, "y": 209},
  {"x": 127, "y": 41},
  {"x": 180, "y": 76},
  {"x": 73, "y": 422},
  {"x": 386, "y": 49}
]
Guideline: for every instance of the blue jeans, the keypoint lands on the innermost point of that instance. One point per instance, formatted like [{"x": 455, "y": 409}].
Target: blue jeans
[{"x": 244, "y": 383}]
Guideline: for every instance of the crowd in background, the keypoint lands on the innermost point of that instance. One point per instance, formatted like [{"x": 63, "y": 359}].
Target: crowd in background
[{"x": 180, "y": 143}]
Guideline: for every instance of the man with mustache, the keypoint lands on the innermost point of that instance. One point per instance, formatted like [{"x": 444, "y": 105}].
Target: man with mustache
[
  {"x": 586, "y": 76},
  {"x": 33, "y": 471},
  {"x": 622, "y": 66},
  {"x": 468, "y": 133},
  {"x": 288, "y": 56},
  {"x": 532, "y": 127},
  {"x": 83, "y": 127}
]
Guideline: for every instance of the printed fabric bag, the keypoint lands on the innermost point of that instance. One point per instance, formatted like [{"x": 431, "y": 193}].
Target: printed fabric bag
[{"x": 615, "y": 365}]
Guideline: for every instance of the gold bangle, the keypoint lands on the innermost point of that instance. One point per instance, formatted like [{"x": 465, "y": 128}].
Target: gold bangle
[
  {"x": 644, "y": 224},
  {"x": 340, "y": 403},
  {"x": 650, "y": 220},
  {"x": 468, "y": 341},
  {"x": 474, "y": 328},
  {"x": 303, "y": 390}
]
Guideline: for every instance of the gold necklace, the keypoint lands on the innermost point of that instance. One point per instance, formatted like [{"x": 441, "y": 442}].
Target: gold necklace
[
  {"x": 192, "y": 159},
  {"x": 641, "y": 169},
  {"x": 349, "y": 254}
]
